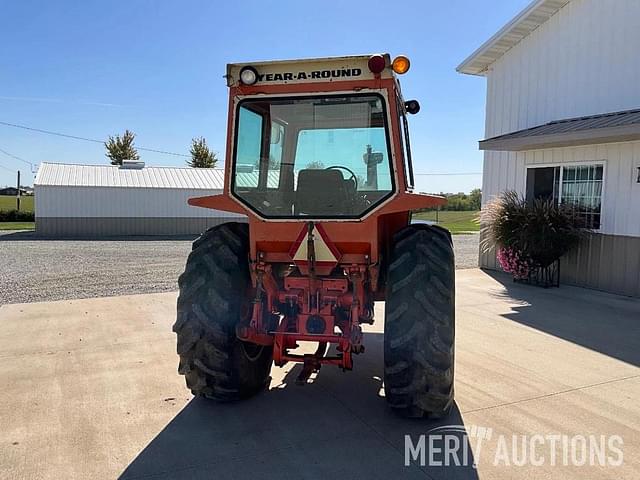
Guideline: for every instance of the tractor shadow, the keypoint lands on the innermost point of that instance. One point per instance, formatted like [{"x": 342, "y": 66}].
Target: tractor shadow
[
  {"x": 339, "y": 425},
  {"x": 596, "y": 320}
]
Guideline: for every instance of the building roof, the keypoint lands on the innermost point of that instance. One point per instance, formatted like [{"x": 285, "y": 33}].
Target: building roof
[
  {"x": 59, "y": 174},
  {"x": 604, "y": 128},
  {"x": 538, "y": 12}
]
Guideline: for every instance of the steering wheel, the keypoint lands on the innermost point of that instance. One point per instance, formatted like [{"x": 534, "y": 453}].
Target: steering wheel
[{"x": 352, "y": 178}]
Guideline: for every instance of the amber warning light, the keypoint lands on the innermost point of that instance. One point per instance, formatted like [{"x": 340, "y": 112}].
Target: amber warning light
[{"x": 401, "y": 64}]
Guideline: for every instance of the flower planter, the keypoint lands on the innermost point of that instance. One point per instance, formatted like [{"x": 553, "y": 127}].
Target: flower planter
[
  {"x": 530, "y": 233},
  {"x": 544, "y": 277}
]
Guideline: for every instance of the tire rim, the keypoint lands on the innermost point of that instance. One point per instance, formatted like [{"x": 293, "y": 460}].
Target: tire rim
[{"x": 252, "y": 351}]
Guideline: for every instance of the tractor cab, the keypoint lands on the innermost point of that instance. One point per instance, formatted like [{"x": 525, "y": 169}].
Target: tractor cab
[
  {"x": 317, "y": 139},
  {"x": 318, "y": 159}
]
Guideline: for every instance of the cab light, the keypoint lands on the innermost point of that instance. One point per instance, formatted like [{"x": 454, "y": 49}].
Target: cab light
[
  {"x": 412, "y": 106},
  {"x": 401, "y": 64},
  {"x": 248, "y": 75}
]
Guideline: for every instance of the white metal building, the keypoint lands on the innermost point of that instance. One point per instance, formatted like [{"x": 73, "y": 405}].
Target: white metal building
[
  {"x": 563, "y": 121},
  {"x": 105, "y": 200}
]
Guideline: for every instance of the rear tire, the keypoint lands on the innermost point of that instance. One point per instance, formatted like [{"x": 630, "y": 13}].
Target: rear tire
[
  {"x": 419, "y": 327},
  {"x": 215, "y": 363}
]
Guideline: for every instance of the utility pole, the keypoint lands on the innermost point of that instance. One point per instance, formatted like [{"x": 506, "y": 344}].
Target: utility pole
[{"x": 18, "y": 193}]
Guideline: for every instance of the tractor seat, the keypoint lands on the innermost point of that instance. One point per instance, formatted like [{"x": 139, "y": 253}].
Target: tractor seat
[{"x": 322, "y": 192}]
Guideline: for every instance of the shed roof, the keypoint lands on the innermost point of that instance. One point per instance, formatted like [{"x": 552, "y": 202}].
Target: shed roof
[
  {"x": 534, "y": 15},
  {"x": 603, "y": 128},
  {"x": 70, "y": 175}
]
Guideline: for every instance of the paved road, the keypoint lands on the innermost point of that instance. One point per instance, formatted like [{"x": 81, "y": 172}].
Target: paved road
[
  {"x": 33, "y": 270},
  {"x": 90, "y": 390}
]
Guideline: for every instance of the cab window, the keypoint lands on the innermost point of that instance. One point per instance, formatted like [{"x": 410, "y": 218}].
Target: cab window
[{"x": 325, "y": 157}]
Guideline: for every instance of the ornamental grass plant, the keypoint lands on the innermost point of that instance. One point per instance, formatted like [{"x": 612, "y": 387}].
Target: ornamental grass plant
[{"x": 529, "y": 234}]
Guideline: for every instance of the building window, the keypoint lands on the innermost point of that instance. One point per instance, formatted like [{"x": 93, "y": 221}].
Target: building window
[
  {"x": 576, "y": 185},
  {"x": 543, "y": 183}
]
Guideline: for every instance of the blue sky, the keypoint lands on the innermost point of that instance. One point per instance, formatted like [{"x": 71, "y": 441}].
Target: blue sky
[{"x": 155, "y": 67}]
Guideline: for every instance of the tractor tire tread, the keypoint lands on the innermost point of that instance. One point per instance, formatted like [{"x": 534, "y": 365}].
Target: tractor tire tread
[
  {"x": 212, "y": 359},
  {"x": 420, "y": 323}
]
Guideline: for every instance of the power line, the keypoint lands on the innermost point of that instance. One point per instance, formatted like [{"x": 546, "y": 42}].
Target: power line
[
  {"x": 7, "y": 168},
  {"x": 9, "y": 154},
  {"x": 16, "y": 157},
  {"x": 85, "y": 139},
  {"x": 24, "y": 127}
]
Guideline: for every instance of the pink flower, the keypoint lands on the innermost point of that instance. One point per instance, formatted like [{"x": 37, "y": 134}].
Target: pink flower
[{"x": 514, "y": 262}]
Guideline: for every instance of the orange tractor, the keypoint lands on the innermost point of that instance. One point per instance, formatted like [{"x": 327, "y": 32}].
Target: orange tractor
[{"x": 318, "y": 159}]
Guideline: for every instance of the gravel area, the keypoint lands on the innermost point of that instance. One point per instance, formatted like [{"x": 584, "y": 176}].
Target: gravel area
[
  {"x": 34, "y": 270},
  {"x": 466, "y": 248},
  {"x": 37, "y": 270}
]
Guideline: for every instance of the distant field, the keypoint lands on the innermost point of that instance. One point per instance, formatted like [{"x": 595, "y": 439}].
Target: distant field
[
  {"x": 456, "y": 222},
  {"x": 9, "y": 203}
]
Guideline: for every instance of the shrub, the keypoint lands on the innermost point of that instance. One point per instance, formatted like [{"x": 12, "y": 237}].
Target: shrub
[
  {"x": 540, "y": 231},
  {"x": 16, "y": 216}
]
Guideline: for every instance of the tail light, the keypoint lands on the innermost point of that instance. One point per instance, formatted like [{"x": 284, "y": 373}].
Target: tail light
[{"x": 377, "y": 63}]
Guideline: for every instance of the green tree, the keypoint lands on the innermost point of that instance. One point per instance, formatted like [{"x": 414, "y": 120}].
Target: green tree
[
  {"x": 201, "y": 155},
  {"x": 121, "y": 148},
  {"x": 475, "y": 199},
  {"x": 461, "y": 202}
]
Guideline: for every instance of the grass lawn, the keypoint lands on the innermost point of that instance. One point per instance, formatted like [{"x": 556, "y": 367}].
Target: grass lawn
[
  {"x": 17, "y": 225},
  {"x": 456, "y": 222},
  {"x": 9, "y": 203}
]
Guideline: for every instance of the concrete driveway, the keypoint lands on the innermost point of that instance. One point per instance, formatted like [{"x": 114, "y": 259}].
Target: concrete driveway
[{"x": 90, "y": 390}]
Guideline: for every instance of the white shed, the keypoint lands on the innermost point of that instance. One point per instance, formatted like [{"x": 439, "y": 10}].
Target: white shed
[
  {"x": 563, "y": 122},
  {"x": 105, "y": 200}
]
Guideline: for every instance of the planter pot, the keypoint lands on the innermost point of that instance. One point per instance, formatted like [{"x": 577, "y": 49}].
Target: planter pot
[{"x": 544, "y": 277}]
